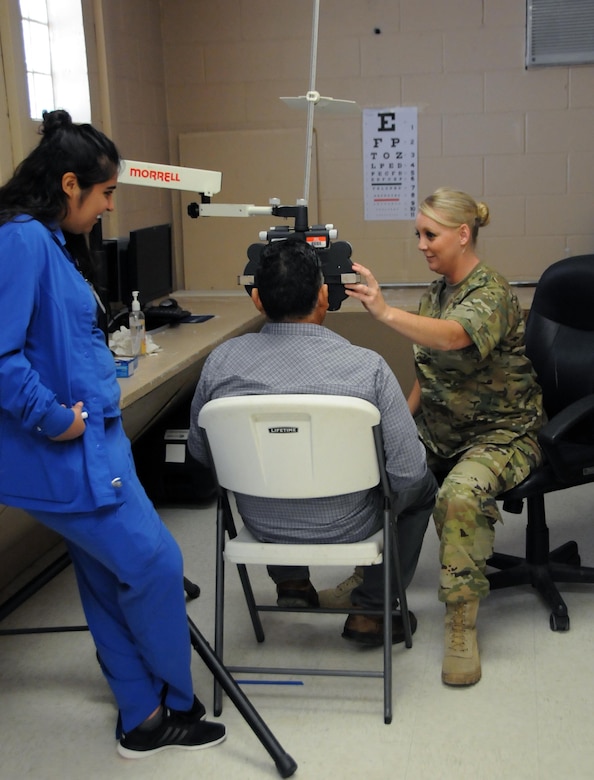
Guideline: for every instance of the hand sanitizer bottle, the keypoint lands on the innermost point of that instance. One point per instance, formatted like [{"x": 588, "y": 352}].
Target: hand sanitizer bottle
[{"x": 137, "y": 327}]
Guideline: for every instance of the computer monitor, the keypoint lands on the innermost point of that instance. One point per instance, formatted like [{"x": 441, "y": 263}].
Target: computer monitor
[
  {"x": 114, "y": 251},
  {"x": 147, "y": 265}
]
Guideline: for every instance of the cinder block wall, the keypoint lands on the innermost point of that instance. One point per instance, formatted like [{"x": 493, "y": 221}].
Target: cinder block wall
[{"x": 520, "y": 140}]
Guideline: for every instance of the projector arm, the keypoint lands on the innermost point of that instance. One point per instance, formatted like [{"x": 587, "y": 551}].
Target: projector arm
[
  {"x": 298, "y": 212},
  {"x": 206, "y": 183},
  {"x": 173, "y": 177},
  {"x": 335, "y": 258},
  {"x": 227, "y": 210}
]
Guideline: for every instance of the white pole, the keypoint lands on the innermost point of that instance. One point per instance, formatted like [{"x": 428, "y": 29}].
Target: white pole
[{"x": 312, "y": 99}]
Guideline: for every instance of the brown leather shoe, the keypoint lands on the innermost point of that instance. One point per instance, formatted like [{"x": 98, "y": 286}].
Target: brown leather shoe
[
  {"x": 369, "y": 629},
  {"x": 296, "y": 593}
]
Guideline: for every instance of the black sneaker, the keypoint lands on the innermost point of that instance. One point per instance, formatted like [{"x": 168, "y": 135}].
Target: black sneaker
[
  {"x": 194, "y": 714},
  {"x": 174, "y": 731}
]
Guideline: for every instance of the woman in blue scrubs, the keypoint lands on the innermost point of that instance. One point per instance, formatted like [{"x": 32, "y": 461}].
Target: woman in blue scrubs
[{"x": 64, "y": 456}]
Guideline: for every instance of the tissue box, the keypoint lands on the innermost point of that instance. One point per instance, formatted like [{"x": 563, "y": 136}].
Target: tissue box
[{"x": 126, "y": 366}]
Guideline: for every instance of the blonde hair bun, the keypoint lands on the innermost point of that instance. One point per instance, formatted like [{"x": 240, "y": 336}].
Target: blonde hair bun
[{"x": 482, "y": 214}]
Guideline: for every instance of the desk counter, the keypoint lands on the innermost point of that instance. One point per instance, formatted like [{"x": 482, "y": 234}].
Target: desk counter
[{"x": 166, "y": 376}]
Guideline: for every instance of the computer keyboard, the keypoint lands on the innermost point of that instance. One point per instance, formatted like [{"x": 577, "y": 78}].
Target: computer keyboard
[{"x": 156, "y": 316}]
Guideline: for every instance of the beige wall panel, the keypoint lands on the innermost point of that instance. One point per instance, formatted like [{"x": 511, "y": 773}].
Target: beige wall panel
[
  {"x": 377, "y": 92},
  {"x": 503, "y": 13},
  {"x": 439, "y": 93},
  {"x": 581, "y": 87},
  {"x": 507, "y": 216},
  {"x": 548, "y": 215},
  {"x": 581, "y": 175},
  {"x": 396, "y": 55},
  {"x": 580, "y": 244},
  {"x": 436, "y": 172},
  {"x": 485, "y": 49},
  {"x": 340, "y": 18},
  {"x": 138, "y": 107},
  {"x": 201, "y": 21},
  {"x": 257, "y": 165},
  {"x": 488, "y": 134},
  {"x": 533, "y": 174},
  {"x": 526, "y": 90},
  {"x": 560, "y": 130},
  {"x": 429, "y": 15},
  {"x": 522, "y": 258}
]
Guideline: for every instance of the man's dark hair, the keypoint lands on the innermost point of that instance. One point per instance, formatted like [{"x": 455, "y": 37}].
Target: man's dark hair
[{"x": 288, "y": 279}]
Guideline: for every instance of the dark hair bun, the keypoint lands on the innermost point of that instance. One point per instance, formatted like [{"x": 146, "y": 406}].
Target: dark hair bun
[{"x": 55, "y": 120}]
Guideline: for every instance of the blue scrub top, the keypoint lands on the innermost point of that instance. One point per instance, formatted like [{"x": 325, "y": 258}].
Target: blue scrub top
[{"x": 52, "y": 354}]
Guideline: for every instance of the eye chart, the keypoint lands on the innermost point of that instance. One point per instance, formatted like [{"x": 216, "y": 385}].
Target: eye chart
[{"x": 390, "y": 163}]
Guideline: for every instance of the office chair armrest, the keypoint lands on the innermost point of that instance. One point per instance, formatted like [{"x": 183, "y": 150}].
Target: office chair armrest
[{"x": 571, "y": 457}]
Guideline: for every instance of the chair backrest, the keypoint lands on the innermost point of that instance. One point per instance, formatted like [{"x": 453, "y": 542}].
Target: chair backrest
[
  {"x": 292, "y": 446},
  {"x": 560, "y": 332}
]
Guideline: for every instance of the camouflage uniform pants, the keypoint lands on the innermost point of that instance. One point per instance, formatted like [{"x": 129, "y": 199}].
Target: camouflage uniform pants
[{"x": 466, "y": 510}]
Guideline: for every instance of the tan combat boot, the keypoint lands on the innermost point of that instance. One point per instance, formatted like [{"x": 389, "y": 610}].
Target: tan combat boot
[
  {"x": 461, "y": 662},
  {"x": 340, "y": 596}
]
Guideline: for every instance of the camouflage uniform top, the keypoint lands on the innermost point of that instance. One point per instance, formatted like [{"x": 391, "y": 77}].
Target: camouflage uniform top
[{"x": 486, "y": 392}]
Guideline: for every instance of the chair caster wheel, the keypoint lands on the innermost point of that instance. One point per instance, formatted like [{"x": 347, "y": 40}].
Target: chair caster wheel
[{"x": 559, "y": 622}]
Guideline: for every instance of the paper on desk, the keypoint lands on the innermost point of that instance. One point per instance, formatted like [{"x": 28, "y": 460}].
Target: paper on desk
[{"x": 120, "y": 343}]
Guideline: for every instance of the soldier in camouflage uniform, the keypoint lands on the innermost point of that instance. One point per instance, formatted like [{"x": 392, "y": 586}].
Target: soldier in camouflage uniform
[
  {"x": 477, "y": 402},
  {"x": 480, "y": 407}
]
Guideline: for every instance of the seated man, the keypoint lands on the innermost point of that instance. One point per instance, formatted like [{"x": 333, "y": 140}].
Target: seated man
[{"x": 294, "y": 353}]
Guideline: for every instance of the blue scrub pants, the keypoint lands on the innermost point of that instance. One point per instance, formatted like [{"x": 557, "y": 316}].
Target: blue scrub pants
[{"x": 129, "y": 571}]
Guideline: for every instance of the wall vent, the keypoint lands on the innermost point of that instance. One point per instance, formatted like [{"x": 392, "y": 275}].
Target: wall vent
[{"x": 559, "y": 32}]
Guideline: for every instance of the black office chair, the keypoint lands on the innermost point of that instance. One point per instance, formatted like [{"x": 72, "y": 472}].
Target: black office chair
[{"x": 560, "y": 344}]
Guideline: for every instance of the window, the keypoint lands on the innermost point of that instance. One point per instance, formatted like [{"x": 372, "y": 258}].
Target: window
[{"x": 55, "y": 56}]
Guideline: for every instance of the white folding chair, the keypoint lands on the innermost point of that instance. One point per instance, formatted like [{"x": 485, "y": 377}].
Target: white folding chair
[{"x": 289, "y": 447}]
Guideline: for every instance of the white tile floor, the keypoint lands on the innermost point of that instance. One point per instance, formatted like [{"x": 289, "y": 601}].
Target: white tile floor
[{"x": 530, "y": 717}]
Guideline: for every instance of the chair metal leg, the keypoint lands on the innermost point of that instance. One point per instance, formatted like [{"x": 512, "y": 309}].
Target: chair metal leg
[
  {"x": 402, "y": 597},
  {"x": 387, "y": 563},
  {"x": 226, "y": 526},
  {"x": 219, "y": 602},
  {"x": 251, "y": 602},
  {"x": 392, "y": 570},
  {"x": 285, "y": 764},
  {"x": 192, "y": 590}
]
